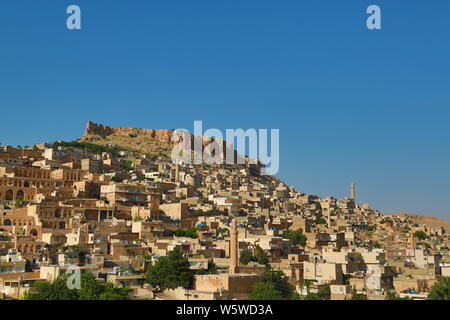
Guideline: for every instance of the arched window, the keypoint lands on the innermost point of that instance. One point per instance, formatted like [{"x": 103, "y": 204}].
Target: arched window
[
  {"x": 20, "y": 195},
  {"x": 9, "y": 195},
  {"x": 7, "y": 222}
]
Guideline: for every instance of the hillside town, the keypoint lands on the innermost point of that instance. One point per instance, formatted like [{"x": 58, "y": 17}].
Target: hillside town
[{"x": 112, "y": 208}]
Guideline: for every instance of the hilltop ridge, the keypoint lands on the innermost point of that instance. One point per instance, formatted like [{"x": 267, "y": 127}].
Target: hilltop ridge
[
  {"x": 429, "y": 221},
  {"x": 95, "y": 129},
  {"x": 150, "y": 141}
]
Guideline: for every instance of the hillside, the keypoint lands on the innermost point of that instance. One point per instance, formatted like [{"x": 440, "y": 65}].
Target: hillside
[
  {"x": 147, "y": 141},
  {"x": 432, "y": 222},
  {"x": 157, "y": 142},
  {"x": 154, "y": 142}
]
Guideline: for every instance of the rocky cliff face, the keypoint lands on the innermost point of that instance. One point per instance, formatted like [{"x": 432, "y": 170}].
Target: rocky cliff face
[
  {"x": 93, "y": 129},
  {"x": 149, "y": 140}
]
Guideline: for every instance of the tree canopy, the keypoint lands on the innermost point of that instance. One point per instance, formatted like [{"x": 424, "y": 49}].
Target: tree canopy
[
  {"x": 321, "y": 295},
  {"x": 271, "y": 287},
  {"x": 170, "y": 272},
  {"x": 265, "y": 291},
  {"x": 245, "y": 256},
  {"x": 440, "y": 290},
  {"x": 420, "y": 235},
  {"x": 296, "y": 236},
  {"x": 260, "y": 256},
  {"x": 89, "y": 147},
  {"x": 189, "y": 232},
  {"x": 90, "y": 289},
  {"x": 212, "y": 269}
]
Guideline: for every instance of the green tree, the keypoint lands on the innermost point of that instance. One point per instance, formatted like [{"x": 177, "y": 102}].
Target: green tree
[
  {"x": 261, "y": 256},
  {"x": 111, "y": 293},
  {"x": 57, "y": 290},
  {"x": 276, "y": 278},
  {"x": 90, "y": 289},
  {"x": 440, "y": 290},
  {"x": 265, "y": 291},
  {"x": 377, "y": 245},
  {"x": 406, "y": 229},
  {"x": 90, "y": 147},
  {"x": 212, "y": 269},
  {"x": 170, "y": 272},
  {"x": 189, "y": 232},
  {"x": 245, "y": 256},
  {"x": 271, "y": 287},
  {"x": 296, "y": 236},
  {"x": 318, "y": 207},
  {"x": 127, "y": 165},
  {"x": 425, "y": 244},
  {"x": 305, "y": 283},
  {"x": 420, "y": 235},
  {"x": 295, "y": 296},
  {"x": 20, "y": 203},
  {"x": 323, "y": 294}
]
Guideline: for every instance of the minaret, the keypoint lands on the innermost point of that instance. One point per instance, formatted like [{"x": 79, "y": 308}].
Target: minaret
[
  {"x": 234, "y": 242},
  {"x": 412, "y": 241},
  {"x": 177, "y": 172},
  {"x": 352, "y": 192}
]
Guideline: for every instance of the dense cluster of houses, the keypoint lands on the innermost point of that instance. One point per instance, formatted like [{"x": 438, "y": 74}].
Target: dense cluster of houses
[{"x": 113, "y": 215}]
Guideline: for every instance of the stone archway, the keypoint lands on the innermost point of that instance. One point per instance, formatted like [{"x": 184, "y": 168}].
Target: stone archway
[
  {"x": 33, "y": 233},
  {"x": 7, "y": 222}
]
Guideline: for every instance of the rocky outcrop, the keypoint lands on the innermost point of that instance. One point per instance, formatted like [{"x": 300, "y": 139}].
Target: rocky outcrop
[
  {"x": 97, "y": 129},
  {"x": 161, "y": 135}
]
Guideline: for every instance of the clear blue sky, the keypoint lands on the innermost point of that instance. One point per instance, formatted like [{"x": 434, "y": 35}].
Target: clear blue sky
[{"x": 351, "y": 104}]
